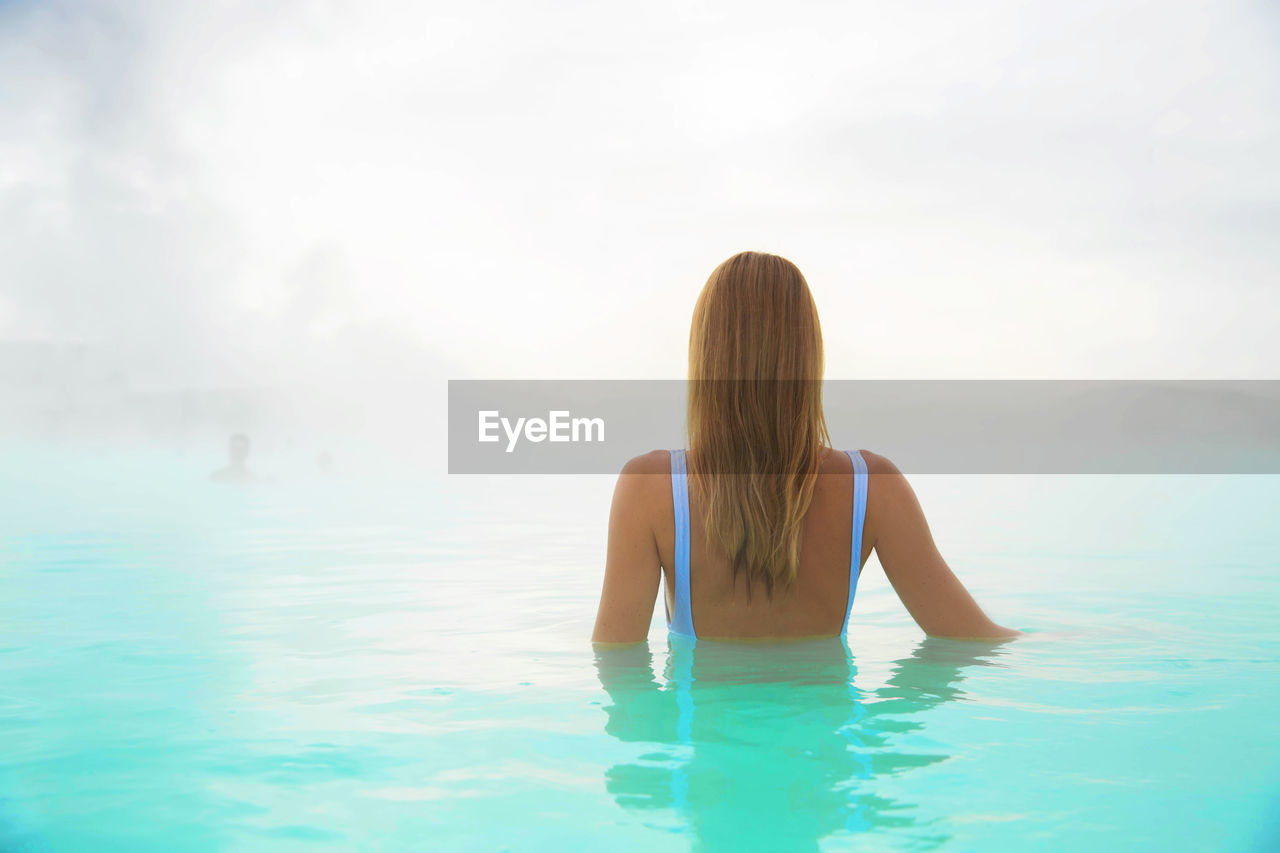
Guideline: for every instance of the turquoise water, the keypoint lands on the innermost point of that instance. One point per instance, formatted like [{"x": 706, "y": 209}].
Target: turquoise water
[{"x": 402, "y": 663}]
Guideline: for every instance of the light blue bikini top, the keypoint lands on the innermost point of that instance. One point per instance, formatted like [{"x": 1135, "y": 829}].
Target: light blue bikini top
[{"x": 681, "y": 622}]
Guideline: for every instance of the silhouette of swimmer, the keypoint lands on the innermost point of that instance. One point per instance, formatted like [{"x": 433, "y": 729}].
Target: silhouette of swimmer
[
  {"x": 235, "y": 471},
  {"x": 775, "y": 748}
]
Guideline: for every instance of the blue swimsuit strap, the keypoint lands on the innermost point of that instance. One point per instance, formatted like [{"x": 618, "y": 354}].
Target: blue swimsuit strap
[
  {"x": 681, "y": 621},
  {"x": 859, "y": 517}
]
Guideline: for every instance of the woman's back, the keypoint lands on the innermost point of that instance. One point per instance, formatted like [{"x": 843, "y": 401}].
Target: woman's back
[
  {"x": 642, "y": 555},
  {"x": 706, "y": 598}
]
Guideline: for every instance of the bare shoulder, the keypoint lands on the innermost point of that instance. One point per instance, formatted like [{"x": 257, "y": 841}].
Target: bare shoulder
[
  {"x": 642, "y": 495},
  {"x": 644, "y": 484},
  {"x": 877, "y": 464},
  {"x": 891, "y": 498},
  {"x": 653, "y": 462}
]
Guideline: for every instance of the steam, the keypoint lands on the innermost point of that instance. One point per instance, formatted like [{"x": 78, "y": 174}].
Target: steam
[{"x": 330, "y": 208}]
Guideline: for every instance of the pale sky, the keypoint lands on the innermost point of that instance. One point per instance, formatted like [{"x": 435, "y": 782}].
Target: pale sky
[{"x": 218, "y": 193}]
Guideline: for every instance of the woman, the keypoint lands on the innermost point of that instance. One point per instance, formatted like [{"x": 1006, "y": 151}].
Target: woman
[{"x": 759, "y": 503}]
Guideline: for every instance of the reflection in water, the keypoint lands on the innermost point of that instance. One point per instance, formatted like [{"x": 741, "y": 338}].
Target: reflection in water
[{"x": 773, "y": 747}]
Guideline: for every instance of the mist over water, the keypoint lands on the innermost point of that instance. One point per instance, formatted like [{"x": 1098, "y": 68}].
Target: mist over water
[{"x": 322, "y": 199}]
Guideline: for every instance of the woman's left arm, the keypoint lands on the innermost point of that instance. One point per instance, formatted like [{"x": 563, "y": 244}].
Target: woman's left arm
[{"x": 632, "y": 568}]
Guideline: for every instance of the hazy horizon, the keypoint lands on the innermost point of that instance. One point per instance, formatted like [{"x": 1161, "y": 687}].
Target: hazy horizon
[{"x": 360, "y": 201}]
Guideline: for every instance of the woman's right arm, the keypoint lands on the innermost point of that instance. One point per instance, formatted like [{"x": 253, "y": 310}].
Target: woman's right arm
[{"x": 930, "y": 591}]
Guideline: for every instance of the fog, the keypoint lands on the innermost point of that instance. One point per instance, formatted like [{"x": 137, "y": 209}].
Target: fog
[{"x": 300, "y": 220}]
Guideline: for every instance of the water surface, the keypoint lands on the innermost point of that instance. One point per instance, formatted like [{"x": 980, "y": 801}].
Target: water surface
[{"x": 343, "y": 663}]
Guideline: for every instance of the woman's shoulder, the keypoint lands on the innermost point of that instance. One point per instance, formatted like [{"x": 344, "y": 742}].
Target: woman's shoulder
[
  {"x": 653, "y": 462},
  {"x": 877, "y": 464},
  {"x": 645, "y": 499},
  {"x": 838, "y": 462},
  {"x": 659, "y": 462}
]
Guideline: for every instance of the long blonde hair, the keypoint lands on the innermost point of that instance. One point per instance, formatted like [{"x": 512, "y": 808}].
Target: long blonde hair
[{"x": 756, "y": 429}]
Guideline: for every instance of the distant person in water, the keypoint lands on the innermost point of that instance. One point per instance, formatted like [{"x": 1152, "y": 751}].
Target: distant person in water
[{"x": 237, "y": 453}]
